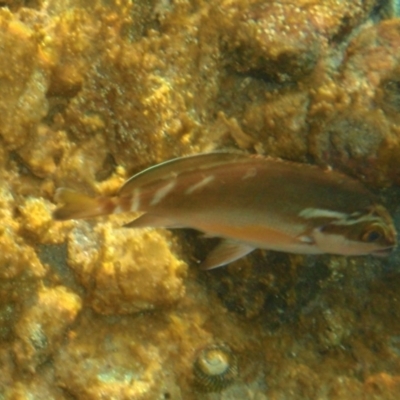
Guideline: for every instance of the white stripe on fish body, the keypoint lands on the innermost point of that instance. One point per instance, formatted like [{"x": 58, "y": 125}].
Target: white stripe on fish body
[
  {"x": 250, "y": 173},
  {"x": 162, "y": 192},
  {"x": 339, "y": 219},
  {"x": 199, "y": 185},
  {"x": 352, "y": 219},
  {"x": 135, "y": 200},
  {"x": 310, "y": 213}
]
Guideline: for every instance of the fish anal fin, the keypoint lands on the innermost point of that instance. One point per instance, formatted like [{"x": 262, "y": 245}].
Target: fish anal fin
[
  {"x": 226, "y": 252},
  {"x": 152, "y": 221},
  {"x": 76, "y": 205}
]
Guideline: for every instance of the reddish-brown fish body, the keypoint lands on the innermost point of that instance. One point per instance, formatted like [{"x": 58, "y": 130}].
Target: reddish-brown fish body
[{"x": 254, "y": 202}]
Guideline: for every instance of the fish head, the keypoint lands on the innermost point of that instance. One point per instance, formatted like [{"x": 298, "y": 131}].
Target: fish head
[{"x": 369, "y": 232}]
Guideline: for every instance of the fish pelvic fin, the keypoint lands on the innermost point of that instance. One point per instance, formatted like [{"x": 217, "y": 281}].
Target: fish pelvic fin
[
  {"x": 74, "y": 205},
  {"x": 226, "y": 252}
]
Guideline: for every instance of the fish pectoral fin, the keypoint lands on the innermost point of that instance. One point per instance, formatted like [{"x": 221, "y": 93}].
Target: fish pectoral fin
[
  {"x": 226, "y": 252},
  {"x": 152, "y": 221}
]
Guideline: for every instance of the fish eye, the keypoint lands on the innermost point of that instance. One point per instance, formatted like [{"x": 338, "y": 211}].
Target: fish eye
[{"x": 372, "y": 236}]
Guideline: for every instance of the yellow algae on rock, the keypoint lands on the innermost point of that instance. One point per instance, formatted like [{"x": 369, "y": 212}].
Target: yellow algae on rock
[
  {"x": 81, "y": 165},
  {"x": 145, "y": 101},
  {"x": 354, "y": 115},
  {"x": 42, "y": 151},
  {"x": 125, "y": 270},
  {"x": 23, "y": 80},
  {"x": 32, "y": 390},
  {"x": 42, "y": 325},
  {"x": 92, "y": 93},
  {"x": 36, "y": 221},
  {"x": 377, "y": 385},
  {"x": 280, "y": 121},
  {"x": 284, "y": 41},
  {"x": 104, "y": 360},
  {"x": 16, "y": 256}
]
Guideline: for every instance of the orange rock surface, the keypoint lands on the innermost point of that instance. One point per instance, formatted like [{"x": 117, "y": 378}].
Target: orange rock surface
[{"x": 92, "y": 92}]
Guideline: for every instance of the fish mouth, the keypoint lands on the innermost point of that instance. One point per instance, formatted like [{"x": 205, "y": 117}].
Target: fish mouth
[{"x": 383, "y": 252}]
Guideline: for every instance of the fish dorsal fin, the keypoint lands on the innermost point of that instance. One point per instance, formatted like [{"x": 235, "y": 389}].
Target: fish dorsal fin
[
  {"x": 226, "y": 252},
  {"x": 172, "y": 168}
]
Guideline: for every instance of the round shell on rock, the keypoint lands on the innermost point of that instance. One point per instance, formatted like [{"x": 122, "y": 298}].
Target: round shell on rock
[{"x": 215, "y": 368}]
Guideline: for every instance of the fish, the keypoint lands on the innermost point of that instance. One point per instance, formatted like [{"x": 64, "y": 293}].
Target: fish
[{"x": 250, "y": 202}]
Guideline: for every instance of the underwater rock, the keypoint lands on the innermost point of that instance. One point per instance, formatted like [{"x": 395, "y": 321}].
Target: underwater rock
[
  {"x": 386, "y": 9},
  {"x": 144, "y": 104},
  {"x": 92, "y": 92},
  {"x": 279, "y": 123},
  {"x": 334, "y": 327},
  {"x": 34, "y": 389},
  {"x": 16, "y": 5},
  {"x": 43, "y": 150},
  {"x": 376, "y": 385},
  {"x": 353, "y": 117},
  {"x": 81, "y": 165},
  {"x": 351, "y": 142},
  {"x": 42, "y": 326},
  {"x": 36, "y": 221},
  {"x": 24, "y": 81},
  {"x": 126, "y": 270},
  {"x": 16, "y": 256},
  {"x": 104, "y": 359},
  {"x": 266, "y": 45},
  {"x": 284, "y": 41},
  {"x": 389, "y": 96},
  {"x": 264, "y": 287}
]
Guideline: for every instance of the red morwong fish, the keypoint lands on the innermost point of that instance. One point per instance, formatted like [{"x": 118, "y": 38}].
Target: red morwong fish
[{"x": 251, "y": 202}]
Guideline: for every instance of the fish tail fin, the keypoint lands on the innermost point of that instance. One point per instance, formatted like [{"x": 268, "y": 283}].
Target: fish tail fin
[{"x": 76, "y": 205}]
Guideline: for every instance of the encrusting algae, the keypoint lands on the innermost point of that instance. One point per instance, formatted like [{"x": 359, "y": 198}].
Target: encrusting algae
[
  {"x": 94, "y": 93},
  {"x": 132, "y": 272}
]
